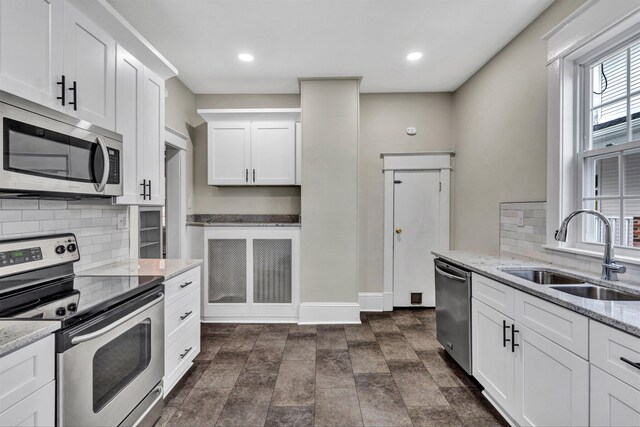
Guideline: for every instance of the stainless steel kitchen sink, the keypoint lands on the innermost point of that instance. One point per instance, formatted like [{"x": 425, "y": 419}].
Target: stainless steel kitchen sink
[
  {"x": 596, "y": 292},
  {"x": 544, "y": 277}
]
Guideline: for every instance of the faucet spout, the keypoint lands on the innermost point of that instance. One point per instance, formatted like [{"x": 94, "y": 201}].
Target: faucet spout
[{"x": 610, "y": 268}]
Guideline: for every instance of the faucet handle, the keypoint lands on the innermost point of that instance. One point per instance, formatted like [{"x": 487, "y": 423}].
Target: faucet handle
[{"x": 615, "y": 268}]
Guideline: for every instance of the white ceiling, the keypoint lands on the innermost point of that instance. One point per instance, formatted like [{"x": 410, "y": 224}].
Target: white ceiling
[{"x": 328, "y": 38}]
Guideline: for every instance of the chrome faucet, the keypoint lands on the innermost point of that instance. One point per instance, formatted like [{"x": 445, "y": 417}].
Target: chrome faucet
[{"x": 610, "y": 269}]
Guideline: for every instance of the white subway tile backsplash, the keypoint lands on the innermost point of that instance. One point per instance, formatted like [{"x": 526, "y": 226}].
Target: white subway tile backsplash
[
  {"x": 529, "y": 240},
  {"x": 93, "y": 222}
]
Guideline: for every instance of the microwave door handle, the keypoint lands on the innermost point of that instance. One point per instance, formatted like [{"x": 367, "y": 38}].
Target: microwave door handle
[
  {"x": 105, "y": 173},
  {"x": 88, "y": 337}
]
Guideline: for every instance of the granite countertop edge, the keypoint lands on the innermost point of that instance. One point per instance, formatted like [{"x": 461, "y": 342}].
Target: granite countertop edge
[
  {"x": 144, "y": 267},
  {"x": 16, "y": 334},
  {"x": 243, "y": 224},
  {"x": 492, "y": 264}
]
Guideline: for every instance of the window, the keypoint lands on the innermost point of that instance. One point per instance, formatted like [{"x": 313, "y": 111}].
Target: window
[{"x": 609, "y": 156}]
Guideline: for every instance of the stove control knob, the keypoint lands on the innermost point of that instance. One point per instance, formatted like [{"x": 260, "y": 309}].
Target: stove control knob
[
  {"x": 60, "y": 249},
  {"x": 72, "y": 307},
  {"x": 71, "y": 247},
  {"x": 61, "y": 311}
]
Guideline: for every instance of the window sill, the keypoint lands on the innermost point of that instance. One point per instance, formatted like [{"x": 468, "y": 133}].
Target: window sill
[{"x": 592, "y": 254}]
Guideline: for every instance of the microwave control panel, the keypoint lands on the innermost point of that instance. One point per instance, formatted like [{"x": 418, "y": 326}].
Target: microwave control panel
[{"x": 114, "y": 166}]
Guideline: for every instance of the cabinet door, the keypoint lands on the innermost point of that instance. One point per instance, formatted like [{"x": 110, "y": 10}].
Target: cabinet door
[
  {"x": 298, "y": 153},
  {"x": 129, "y": 93},
  {"x": 613, "y": 403},
  {"x": 552, "y": 384},
  {"x": 37, "y": 409},
  {"x": 493, "y": 360},
  {"x": 90, "y": 65},
  {"x": 31, "y": 42},
  {"x": 151, "y": 150},
  {"x": 229, "y": 153},
  {"x": 273, "y": 153}
]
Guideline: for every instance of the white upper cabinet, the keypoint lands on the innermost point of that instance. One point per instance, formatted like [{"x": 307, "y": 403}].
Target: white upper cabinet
[
  {"x": 31, "y": 54},
  {"x": 229, "y": 153},
  {"x": 151, "y": 147},
  {"x": 89, "y": 68},
  {"x": 129, "y": 93},
  {"x": 253, "y": 146},
  {"x": 273, "y": 153}
]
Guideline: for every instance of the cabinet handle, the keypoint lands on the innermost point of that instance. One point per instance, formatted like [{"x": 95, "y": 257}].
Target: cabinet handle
[
  {"x": 149, "y": 189},
  {"x": 182, "y": 356},
  {"x": 74, "y": 88},
  {"x": 186, "y": 315},
  {"x": 144, "y": 189},
  {"x": 634, "y": 364},
  {"x": 254, "y": 176},
  {"x": 63, "y": 83},
  {"x": 246, "y": 175},
  {"x": 505, "y": 340},
  {"x": 186, "y": 284},
  {"x": 513, "y": 338}
]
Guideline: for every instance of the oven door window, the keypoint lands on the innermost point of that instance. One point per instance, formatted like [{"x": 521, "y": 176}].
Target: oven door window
[
  {"x": 37, "y": 151},
  {"x": 119, "y": 362}
]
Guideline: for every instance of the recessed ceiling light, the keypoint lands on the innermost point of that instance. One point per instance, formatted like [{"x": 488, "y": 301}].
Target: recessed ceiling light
[
  {"x": 245, "y": 57},
  {"x": 414, "y": 56}
]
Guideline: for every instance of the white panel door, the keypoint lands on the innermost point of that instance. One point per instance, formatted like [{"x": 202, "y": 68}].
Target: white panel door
[
  {"x": 418, "y": 228},
  {"x": 151, "y": 150},
  {"x": 552, "y": 384},
  {"x": 90, "y": 66},
  {"x": 129, "y": 93},
  {"x": 31, "y": 49},
  {"x": 273, "y": 153},
  {"x": 493, "y": 361},
  {"x": 298, "y": 153},
  {"x": 229, "y": 152},
  {"x": 613, "y": 403}
]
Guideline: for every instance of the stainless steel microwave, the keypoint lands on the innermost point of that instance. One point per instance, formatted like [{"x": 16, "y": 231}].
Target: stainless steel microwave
[{"x": 49, "y": 154}]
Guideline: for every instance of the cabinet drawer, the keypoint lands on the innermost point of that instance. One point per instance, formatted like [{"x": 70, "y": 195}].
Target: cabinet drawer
[
  {"x": 495, "y": 294},
  {"x": 180, "y": 354},
  {"x": 180, "y": 315},
  {"x": 564, "y": 327},
  {"x": 180, "y": 285},
  {"x": 608, "y": 345},
  {"x": 37, "y": 409},
  {"x": 613, "y": 403},
  {"x": 26, "y": 370}
]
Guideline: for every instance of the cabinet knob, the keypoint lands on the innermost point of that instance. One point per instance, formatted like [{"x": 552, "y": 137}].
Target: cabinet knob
[{"x": 398, "y": 230}]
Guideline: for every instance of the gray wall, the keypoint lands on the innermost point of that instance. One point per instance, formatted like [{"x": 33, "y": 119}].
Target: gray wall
[
  {"x": 384, "y": 119},
  {"x": 330, "y": 195},
  {"x": 180, "y": 114},
  {"x": 239, "y": 200},
  {"x": 500, "y": 133}
]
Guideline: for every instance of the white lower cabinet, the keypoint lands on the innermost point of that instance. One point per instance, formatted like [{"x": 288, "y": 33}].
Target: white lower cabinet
[
  {"x": 181, "y": 325},
  {"x": 27, "y": 379},
  {"x": 613, "y": 403},
  {"x": 251, "y": 273},
  {"x": 551, "y": 383},
  {"x": 534, "y": 380}
]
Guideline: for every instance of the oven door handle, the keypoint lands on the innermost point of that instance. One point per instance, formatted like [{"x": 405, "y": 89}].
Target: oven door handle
[
  {"x": 105, "y": 173},
  {"x": 88, "y": 337}
]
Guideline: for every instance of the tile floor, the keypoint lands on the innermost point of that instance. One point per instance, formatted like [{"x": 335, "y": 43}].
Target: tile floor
[{"x": 389, "y": 371}]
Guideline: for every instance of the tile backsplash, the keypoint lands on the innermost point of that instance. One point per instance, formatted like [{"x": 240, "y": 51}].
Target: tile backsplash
[
  {"x": 529, "y": 240},
  {"x": 94, "y": 222}
]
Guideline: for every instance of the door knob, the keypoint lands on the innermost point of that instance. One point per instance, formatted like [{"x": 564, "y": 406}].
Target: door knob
[{"x": 398, "y": 230}]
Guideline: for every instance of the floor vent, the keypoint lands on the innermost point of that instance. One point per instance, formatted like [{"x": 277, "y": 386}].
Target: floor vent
[{"x": 416, "y": 298}]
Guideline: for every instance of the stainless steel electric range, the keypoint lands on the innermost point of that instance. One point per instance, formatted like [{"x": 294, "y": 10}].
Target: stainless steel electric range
[{"x": 110, "y": 348}]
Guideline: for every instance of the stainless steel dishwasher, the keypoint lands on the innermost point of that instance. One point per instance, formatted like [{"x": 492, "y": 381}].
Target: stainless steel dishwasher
[{"x": 453, "y": 311}]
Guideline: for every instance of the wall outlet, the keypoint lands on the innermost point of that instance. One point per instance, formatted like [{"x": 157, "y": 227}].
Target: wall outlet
[
  {"x": 520, "y": 219},
  {"x": 123, "y": 222}
]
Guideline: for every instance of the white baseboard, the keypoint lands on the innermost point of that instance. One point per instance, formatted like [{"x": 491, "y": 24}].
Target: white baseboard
[
  {"x": 371, "y": 301},
  {"x": 313, "y": 313}
]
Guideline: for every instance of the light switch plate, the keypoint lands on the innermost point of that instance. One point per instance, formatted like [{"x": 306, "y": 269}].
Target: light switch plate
[
  {"x": 520, "y": 219},
  {"x": 122, "y": 222}
]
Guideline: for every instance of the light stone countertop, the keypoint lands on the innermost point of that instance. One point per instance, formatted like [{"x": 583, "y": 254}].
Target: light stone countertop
[
  {"x": 15, "y": 334},
  {"x": 623, "y": 315},
  {"x": 144, "y": 267},
  {"x": 243, "y": 220}
]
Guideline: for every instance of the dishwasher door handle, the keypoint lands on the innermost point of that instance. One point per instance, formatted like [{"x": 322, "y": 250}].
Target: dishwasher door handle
[{"x": 451, "y": 276}]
